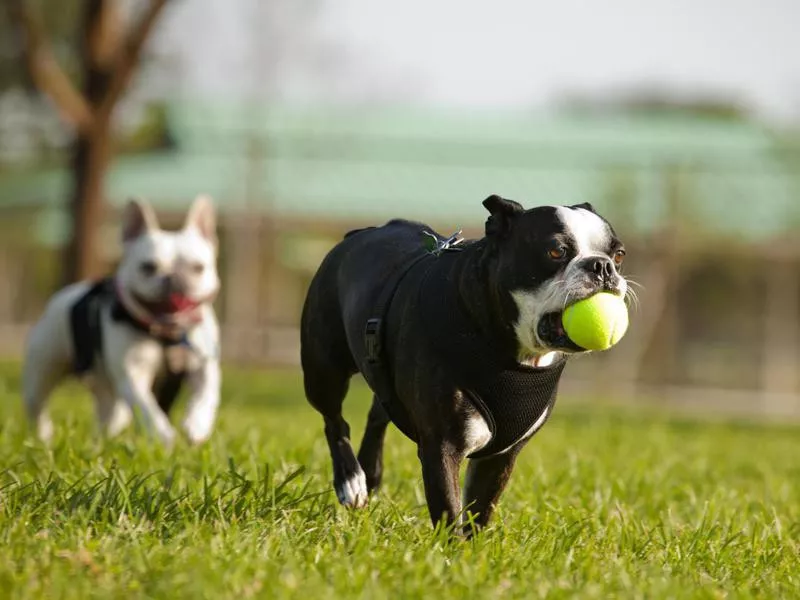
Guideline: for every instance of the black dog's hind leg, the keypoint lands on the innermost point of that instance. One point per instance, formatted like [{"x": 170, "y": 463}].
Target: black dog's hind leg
[
  {"x": 370, "y": 455},
  {"x": 325, "y": 390},
  {"x": 485, "y": 481},
  {"x": 440, "y": 466}
]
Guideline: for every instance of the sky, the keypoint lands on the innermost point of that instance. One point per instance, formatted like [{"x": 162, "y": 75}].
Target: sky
[{"x": 503, "y": 54}]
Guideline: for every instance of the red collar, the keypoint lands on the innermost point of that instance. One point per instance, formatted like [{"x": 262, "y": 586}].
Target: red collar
[{"x": 173, "y": 325}]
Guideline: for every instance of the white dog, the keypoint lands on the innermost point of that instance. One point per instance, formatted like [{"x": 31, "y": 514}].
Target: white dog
[{"x": 123, "y": 333}]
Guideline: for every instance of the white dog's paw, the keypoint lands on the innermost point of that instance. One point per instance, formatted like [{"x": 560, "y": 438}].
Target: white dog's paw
[
  {"x": 166, "y": 434},
  {"x": 121, "y": 417},
  {"x": 352, "y": 492},
  {"x": 169, "y": 440},
  {"x": 44, "y": 428},
  {"x": 196, "y": 435},
  {"x": 198, "y": 427}
]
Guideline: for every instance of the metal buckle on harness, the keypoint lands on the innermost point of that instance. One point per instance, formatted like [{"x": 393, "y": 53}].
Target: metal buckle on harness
[
  {"x": 372, "y": 340},
  {"x": 436, "y": 245}
]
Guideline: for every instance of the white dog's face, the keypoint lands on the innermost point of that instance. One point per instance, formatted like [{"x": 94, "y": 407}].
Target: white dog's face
[
  {"x": 168, "y": 272},
  {"x": 548, "y": 258}
]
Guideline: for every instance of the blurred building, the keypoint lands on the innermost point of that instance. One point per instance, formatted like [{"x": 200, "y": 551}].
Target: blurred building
[{"x": 709, "y": 208}]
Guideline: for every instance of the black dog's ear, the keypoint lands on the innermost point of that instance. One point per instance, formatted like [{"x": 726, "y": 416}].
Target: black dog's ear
[
  {"x": 501, "y": 213},
  {"x": 585, "y": 206}
]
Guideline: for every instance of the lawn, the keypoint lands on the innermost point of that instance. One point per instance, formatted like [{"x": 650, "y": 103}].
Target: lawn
[{"x": 604, "y": 503}]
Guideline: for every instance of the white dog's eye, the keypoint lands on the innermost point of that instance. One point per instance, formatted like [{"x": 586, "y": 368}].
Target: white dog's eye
[
  {"x": 148, "y": 268},
  {"x": 198, "y": 268}
]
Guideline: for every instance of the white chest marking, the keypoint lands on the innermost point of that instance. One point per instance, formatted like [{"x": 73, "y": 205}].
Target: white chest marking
[
  {"x": 476, "y": 434},
  {"x": 542, "y": 360},
  {"x": 479, "y": 430}
]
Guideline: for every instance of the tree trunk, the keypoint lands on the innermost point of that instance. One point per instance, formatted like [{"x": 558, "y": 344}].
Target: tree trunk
[
  {"x": 90, "y": 159},
  {"x": 92, "y": 148},
  {"x": 109, "y": 55}
]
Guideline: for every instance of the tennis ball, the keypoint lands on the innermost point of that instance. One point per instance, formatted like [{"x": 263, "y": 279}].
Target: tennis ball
[{"x": 596, "y": 323}]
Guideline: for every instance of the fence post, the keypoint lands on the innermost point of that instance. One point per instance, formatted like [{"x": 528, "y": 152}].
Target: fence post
[{"x": 780, "y": 355}]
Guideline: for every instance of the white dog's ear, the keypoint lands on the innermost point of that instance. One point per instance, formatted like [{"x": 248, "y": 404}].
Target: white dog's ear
[
  {"x": 137, "y": 218},
  {"x": 202, "y": 217}
]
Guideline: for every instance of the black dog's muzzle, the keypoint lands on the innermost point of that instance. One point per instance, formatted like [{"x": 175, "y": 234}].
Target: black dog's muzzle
[
  {"x": 550, "y": 329},
  {"x": 551, "y": 332}
]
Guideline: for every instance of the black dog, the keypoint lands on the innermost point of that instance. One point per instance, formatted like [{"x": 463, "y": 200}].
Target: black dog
[{"x": 462, "y": 345}]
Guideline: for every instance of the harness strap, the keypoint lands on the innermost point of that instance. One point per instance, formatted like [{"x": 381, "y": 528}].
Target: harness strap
[
  {"x": 84, "y": 319},
  {"x": 511, "y": 397},
  {"x": 373, "y": 331},
  {"x": 87, "y": 339},
  {"x": 85, "y": 323},
  {"x": 374, "y": 334}
]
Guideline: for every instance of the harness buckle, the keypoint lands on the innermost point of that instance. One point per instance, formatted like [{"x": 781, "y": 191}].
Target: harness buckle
[
  {"x": 372, "y": 340},
  {"x": 436, "y": 245}
]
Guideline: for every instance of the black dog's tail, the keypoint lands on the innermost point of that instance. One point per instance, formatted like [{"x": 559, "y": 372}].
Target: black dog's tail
[{"x": 355, "y": 231}]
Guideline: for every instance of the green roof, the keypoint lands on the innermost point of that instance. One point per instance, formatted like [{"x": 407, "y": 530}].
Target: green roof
[{"x": 372, "y": 164}]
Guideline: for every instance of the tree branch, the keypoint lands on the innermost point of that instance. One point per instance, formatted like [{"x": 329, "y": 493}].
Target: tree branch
[
  {"x": 46, "y": 73},
  {"x": 129, "y": 58}
]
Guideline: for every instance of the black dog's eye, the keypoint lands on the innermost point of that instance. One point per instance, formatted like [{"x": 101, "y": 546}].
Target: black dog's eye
[
  {"x": 557, "y": 252},
  {"x": 148, "y": 268},
  {"x": 619, "y": 256}
]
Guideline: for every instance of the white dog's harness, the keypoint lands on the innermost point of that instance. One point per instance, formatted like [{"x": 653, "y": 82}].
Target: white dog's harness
[{"x": 87, "y": 336}]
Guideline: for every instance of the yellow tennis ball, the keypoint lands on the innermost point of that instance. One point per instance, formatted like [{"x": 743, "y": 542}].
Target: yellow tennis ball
[{"x": 596, "y": 323}]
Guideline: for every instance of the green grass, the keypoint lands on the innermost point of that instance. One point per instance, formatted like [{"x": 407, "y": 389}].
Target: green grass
[{"x": 602, "y": 504}]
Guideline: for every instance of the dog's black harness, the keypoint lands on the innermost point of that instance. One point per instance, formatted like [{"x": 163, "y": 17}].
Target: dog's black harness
[
  {"x": 514, "y": 399},
  {"x": 84, "y": 318},
  {"x": 87, "y": 336}
]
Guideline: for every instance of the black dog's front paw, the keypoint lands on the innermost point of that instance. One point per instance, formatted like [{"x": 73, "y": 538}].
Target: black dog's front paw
[
  {"x": 350, "y": 483},
  {"x": 352, "y": 492}
]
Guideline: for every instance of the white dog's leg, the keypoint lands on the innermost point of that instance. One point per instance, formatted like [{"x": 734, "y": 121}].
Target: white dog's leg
[
  {"x": 38, "y": 382},
  {"x": 133, "y": 382},
  {"x": 46, "y": 363},
  {"x": 201, "y": 412},
  {"x": 136, "y": 360},
  {"x": 140, "y": 399},
  {"x": 121, "y": 416},
  {"x": 113, "y": 414}
]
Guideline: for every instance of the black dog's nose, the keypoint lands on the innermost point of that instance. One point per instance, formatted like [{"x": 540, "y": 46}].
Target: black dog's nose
[{"x": 600, "y": 266}]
